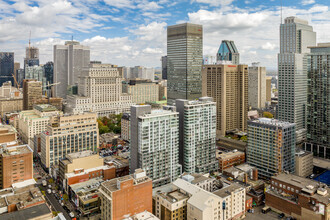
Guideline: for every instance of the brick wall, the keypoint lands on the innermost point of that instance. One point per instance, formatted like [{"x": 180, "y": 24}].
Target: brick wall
[{"x": 282, "y": 205}]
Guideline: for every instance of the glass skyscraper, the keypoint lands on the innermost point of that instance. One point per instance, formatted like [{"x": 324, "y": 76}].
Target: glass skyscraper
[
  {"x": 6, "y": 67},
  {"x": 184, "y": 62},
  {"x": 318, "y": 101},
  {"x": 228, "y": 52},
  {"x": 295, "y": 36}
]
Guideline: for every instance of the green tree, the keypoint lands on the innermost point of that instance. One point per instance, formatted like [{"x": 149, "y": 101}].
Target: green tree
[
  {"x": 244, "y": 138},
  {"x": 117, "y": 130},
  {"x": 104, "y": 129},
  {"x": 65, "y": 197},
  {"x": 51, "y": 181},
  {"x": 268, "y": 115}
]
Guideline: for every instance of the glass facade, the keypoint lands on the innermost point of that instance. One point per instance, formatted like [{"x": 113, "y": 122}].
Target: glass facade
[
  {"x": 6, "y": 67},
  {"x": 184, "y": 62},
  {"x": 228, "y": 52}
]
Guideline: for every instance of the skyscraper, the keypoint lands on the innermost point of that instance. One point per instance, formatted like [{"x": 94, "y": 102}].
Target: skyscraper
[
  {"x": 318, "y": 101},
  {"x": 69, "y": 59},
  {"x": 154, "y": 143},
  {"x": 31, "y": 56},
  {"x": 197, "y": 135},
  {"x": 164, "y": 67},
  {"x": 295, "y": 36},
  {"x": 49, "y": 72},
  {"x": 257, "y": 86},
  {"x": 271, "y": 146},
  {"x": 6, "y": 67},
  {"x": 228, "y": 52},
  {"x": 32, "y": 92},
  {"x": 184, "y": 61},
  {"x": 228, "y": 86}
]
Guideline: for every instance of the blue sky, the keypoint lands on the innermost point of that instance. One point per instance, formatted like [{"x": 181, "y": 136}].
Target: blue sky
[{"x": 133, "y": 32}]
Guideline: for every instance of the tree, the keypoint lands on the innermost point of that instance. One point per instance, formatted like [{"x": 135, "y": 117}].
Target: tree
[
  {"x": 268, "y": 115},
  {"x": 104, "y": 129},
  {"x": 51, "y": 181},
  {"x": 65, "y": 197},
  {"x": 244, "y": 138},
  {"x": 117, "y": 130}
]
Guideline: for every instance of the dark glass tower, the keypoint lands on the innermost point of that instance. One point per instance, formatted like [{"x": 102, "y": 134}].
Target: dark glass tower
[
  {"x": 228, "y": 52},
  {"x": 6, "y": 67},
  {"x": 49, "y": 72},
  {"x": 184, "y": 62}
]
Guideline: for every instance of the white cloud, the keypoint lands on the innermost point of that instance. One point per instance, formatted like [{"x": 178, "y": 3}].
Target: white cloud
[
  {"x": 268, "y": 46},
  {"x": 214, "y": 2},
  {"x": 120, "y": 3},
  {"x": 153, "y": 50},
  {"x": 307, "y": 2}
]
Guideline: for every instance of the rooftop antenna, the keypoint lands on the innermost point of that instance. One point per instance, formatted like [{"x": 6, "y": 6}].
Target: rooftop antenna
[{"x": 30, "y": 45}]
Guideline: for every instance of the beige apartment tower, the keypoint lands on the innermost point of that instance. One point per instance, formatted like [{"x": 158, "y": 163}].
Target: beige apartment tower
[
  {"x": 257, "y": 86},
  {"x": 228, "y": 86},
  {"x": 32, "y": 92},
  {"x": 268, "y": 89}
]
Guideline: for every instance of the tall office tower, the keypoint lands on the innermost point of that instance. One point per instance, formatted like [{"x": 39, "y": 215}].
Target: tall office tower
[
  {"x": 268, "y": 88},
  {"x": 257, "y": 86},
  {"x": 100, "y": 91},
  {"x": 197, "y": 135},
  {"x": 32, "y": 92},
  {"x": 271, "y": 146},
  {"x": 37, "y": 73},
  {"x": 49, "y": 72},
  {"x": 6, "y": 67},
  {"x": 17, "y": 66},
  {"x": 184, "y": 62},
  {"x": 68, "y": 134},
  {"x": 31, "y": 56},
  {"x": 228, "y": 86},
  {"x": 295, "y": 36},
  {"x": 69, "y": 59},
  {"x": 155, "y": 143},
  {"x": 16, "y": 165},
  {"x": 228, "y": 52},
  {"x": 164, "y": 67},
  {"x": 318, "y": 101},
  {"x": 125, "y": 196}
]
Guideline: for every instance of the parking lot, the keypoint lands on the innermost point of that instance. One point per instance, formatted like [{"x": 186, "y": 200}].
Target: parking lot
[{"x": 258, "y": 215}]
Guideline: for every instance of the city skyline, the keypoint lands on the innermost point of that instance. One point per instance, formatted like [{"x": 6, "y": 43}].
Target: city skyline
[{"x": 133, "y": 33}]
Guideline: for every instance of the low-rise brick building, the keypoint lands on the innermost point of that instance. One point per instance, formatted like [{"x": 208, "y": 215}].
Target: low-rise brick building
[{"x": 229, "y": 159}]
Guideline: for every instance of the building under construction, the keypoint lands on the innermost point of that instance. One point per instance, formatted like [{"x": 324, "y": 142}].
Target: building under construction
[{"x": 271, "y": 146}]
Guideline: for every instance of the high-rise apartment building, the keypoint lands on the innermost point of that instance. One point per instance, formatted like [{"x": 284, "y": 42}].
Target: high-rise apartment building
[
  {"x": 37, "y": 73},
  {"x": 142, "y": 91},
  {"x": 228, "y": 52},
  {"x": 69, "y": 59},
  {"x": 16, "y": 165},
  {"x": 138, "y": 72},
  {"x": 304, "y": 163},
  {"x": 68, "y": 134},
  {"x": 164, "y": 67},
  {"x": 295, "y": 36},
  {"x": 32, "y": 92},
  {"x": 271, "y": 146},
  {"x": 197, "y": 126},
  {"x": 228, "y": 86},
  {"x": 184, "y": 61},
  {"x": 125, "y": 126},
  {"x": 257, "y": 86},
  {"x": 318, "y": 101},
  {"x": 6, "y": 67},
  {"x": 268, "y": 88},
  {"x": 33, "y": 122},
  {"x": 154, "y": 143},
  {"x": 100, "y": 91},
  {"x": 126, "y": 196}
]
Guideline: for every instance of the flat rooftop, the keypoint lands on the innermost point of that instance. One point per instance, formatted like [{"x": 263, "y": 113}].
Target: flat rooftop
[
  {"x": 15, "y": 150},
  {"x": 104, "y": 167},
  {"x": 143, "y": 216},
  {"x": 112, "y": 185},
  {"x": 45, "y": 108},
  {"x": 28, "y": 213},
  {"x": 226, "y": 191},
  {"x": 273, "y": 122},
  {"x": 294, "y": 180},
  {"x": 227, "y": 155},
  {"x": 323, "y": 163},
  {"x": 302, "y": 153},
  {"x": 81, "y": 154}
]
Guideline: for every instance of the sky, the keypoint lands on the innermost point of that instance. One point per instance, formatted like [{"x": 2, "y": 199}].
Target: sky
[{"x": 133, "y": 32}]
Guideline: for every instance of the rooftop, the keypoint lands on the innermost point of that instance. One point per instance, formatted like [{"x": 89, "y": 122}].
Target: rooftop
[
  {"x": 142, "y": 216},
  {"x": 273, "y": 122},
  {"x": 226, "y": 155},
  {"x": 87, "y": 190},
  {"x": 29, "y": 213},
  {"x": 45, "y": 108},
  {"x": 72, "y": 174},
  {"x": 196, "y": 177},
  {"x": 81, "y": 154},
  {"x": 302, "y": 153},
  {"x": 226, "y": 191},
  {"x": 15, "y": 150}
]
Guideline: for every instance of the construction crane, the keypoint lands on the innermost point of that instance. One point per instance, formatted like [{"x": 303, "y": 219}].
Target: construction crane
[
  {"x": 15, "y": 81},
  {"x": 48, "y": 87}
]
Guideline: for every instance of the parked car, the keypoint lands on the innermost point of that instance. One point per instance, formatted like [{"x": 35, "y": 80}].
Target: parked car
[
  {"x": 71, "y": 214},
  {"x": 49, "y": 191},
  {"x": 265, "y": 209},
  {"x": 281, "y": 215}
]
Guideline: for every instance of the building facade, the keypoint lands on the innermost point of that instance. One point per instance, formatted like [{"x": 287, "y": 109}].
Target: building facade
[
  {"x": 164, "y": 67},
  {"x": 268, "y": 88},
  {"x": 142, "y": 91},
  {"x": 271, "y": 146},
  {"x": 16, "y": 165},
  {"x": 37, "y": 73},
  {"x": 125, "y": 127},
  {"x": 184, "y": 61},
  {"x": 197, "y": 128},
  {"x": 257, "y": 86},
  {"x": 100, "y": 91},
  {"x": 228, "y": 52},
  {"x": 318, "y": 101},
  {"x": 32, "y": 92},
  {"x": 6, "y": 67},
  {"x": 154, "y": 143},
  {"x": 69, "y": 59},
  {"x": 68, "y": 134},
  {"x": 304, "y": 163},
  {"x": 228, "y": 86},
  {"x": 229, "y": 159},
  {"x": 126, "y": 196},
  {"x": 295, "y": 36}
]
